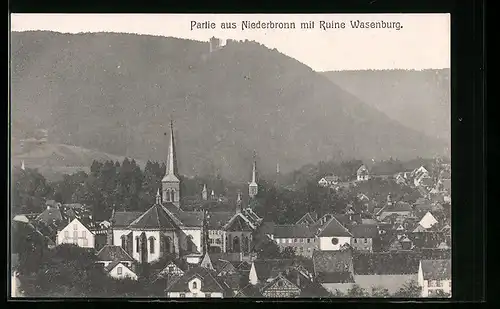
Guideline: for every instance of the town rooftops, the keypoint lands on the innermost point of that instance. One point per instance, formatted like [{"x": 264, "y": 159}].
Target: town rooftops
[
  {"x": 395, "y": 263},
  {"x": 113, "y": 253},
  {"x": 113, "y": 264},
  {"x": 436, "y": 269},
  {"x": 50, "y": 215},
  {"x": 155, "y": 218},
  {"x": 217, "y": 220},
  {"x": 334, "y": 228},
  {"x": 124, "y": 218},
  {"x": 306, "y": 219},
  {"x": 210, "y": 283},
  {"x": 364, "y": 231},
  {"x": 293, "y": 231},
  {"x": 185, "y": 218},
  {"x": 333, "y": 266}
]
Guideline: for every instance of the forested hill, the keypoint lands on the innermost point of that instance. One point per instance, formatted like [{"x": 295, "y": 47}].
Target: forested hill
[
  {"x": 116, "y": 93},
  {"x": 420, "y": 100}
]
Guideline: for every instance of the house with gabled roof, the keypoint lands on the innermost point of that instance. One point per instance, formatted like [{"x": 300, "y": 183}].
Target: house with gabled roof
[
  {"x": 333, "y": 235},
  {"x": 280, "y": 287},
  {"x": 334, "y": 269},
  {"x": 120, "y": 270},
  {"x": 199, "y": 282},
  {"x": 362, "y": 173},
  {"x": 76, "y": 233},
  {"x": 434, "y": 276},
  {"x": 328, "y": 181},
  {"x": 301, "y": 238},
  {"x": 110, "y": 253},
  {"x": 363, "y": 236}
]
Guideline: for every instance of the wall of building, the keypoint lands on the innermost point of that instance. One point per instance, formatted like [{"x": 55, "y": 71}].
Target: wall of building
[
  {"x": 362, "y": 244},
  {"x": 230, "y": 240},
  {"x": 427, "y": 290},
  {"x": 126, "y": 273},
  {"x": 325, "y": 243},
  {"x": 84, "y": 239},
  {"x": 197, "y": 238},
  {"x": 301, "y": 246},
  {"x": 391, "y": 282},
  {"x": 117, "y": 236},
  {"x": 216, "y": 238},
  {"x": 136, "y": 254}
]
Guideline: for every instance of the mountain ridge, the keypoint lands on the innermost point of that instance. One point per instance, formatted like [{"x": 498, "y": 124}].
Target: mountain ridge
[{"x": 117, "y": 93}]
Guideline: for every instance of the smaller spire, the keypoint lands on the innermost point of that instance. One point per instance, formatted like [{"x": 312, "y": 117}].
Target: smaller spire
[
  {"x": 22, "y": 165},
  {"x": 158, "y": 197},
  {"x": 207, "y": 262}
]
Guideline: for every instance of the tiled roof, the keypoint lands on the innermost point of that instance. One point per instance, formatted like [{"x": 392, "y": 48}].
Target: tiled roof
[
  {"x": 184, "y": 218},
  {"x": 334, "y": 228},
  {"x": 124, "y": 218},
  {"x": 154, "y": 218},
  {"x": 113, "y": 264},
  {"x": 217, "y": 220},
  {"x": 50, "y": 216},
  {"x": 395, "y": 263},
  {"x": 209, "y": 281},
  {"x": 436, "y": 269},
  {"x": 249, "y": 291},
  {"x": 239, "y": 223},
  {"x": 293, "y": 231},
  {"x": 306, "y": 219},
  {"x": 332, "y": 261},
  {"x": 364, "y": 231},
  {"x": 271, "y": 268},
  {"x": 113, "y": 253}
]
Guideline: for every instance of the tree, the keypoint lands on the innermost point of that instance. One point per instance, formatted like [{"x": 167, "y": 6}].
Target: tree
[
  {"x": 337, "y": 293},
  {"x": 411, "y": 289},
  {"x": 269, "y": 250},
  {"x": 378, "y": 291},
  {"x": 356, "y": 291},
  {"x": 441, "y": 294},
  {"x": 287, "y": 253}
]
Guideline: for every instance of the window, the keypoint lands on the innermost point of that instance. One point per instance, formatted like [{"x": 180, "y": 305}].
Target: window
[
  {"x": 290, "y": 240},
  {"x": 85, "y": 242},
  {"x": 171, "y": 269},
  {"x": 439, "y": 283},
  {"x": 302, "y": 240},
  {"x": 137, "y": 244},
  {"x": 123, "y": 242},
  {"x": 295, "y": 240},
  {"x": 432, "y": 283},
  {"x": 366, "y": 240},
  {"x": 168, "y": 195},
  {"x": 280, "y": 284},
  {"x": 355, "y": 240},
  {"x": 449, "y": 284},
  {"x": 183, "y": 295},
  {"x": 75, "y": 227},
  {"x": 84, "y": 234},
  {"x": 66, "y": 234},
  {"x": 335, "y": 241},
  {"x": 208, "y": 295},
  {"x": 119, "y": 270},
  {"x": 75, "y": 234},
  {"x": 195, "y": 285},
  {"x": 309, "y": 240}
]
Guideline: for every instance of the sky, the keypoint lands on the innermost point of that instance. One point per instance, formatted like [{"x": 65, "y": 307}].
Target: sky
[{"x": 423, "y": 42}]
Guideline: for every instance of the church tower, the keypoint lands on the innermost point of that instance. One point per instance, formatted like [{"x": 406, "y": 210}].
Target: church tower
[
  {"x": 204, "y": 193},
  {"x": 170, "y": 182},
  {"x": 253, "y": 187}
]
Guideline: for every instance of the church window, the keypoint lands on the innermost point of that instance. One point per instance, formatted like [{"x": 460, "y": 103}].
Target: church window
[
  {"x": 119, "y": 270},
  {"x": 168, "y": 195},
  {"x": 151, "y": 244},
  {"x": 195, "y": 285},
  {"x": 137, "y": 244},
  {"x": 172, "y": 193}
]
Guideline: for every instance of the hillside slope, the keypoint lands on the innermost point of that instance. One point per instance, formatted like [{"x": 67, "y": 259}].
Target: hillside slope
[
  {"x": 117, "y": 93},
  {"x": 418, "y": 99}
]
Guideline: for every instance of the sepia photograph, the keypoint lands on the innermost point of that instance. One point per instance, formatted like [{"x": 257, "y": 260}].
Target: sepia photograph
[{"x": 179, "y": 156}]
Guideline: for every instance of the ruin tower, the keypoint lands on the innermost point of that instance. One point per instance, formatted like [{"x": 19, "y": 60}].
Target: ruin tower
[{"x": 170, "y": 182}]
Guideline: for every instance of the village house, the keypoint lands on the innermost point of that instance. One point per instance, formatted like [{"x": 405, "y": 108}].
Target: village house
[
  {"x": 109, "y": 254},
  {"x": 76, "y": 233},
  {"x": 300, "y": 238},
  {"x": 400, "y": 208},
  {"x": 334, "y": 270},
  {"x": 427, "y": 221},
  {"x": 264, "y": 271},
  {"x": 333, "y": 235},
  {"x": 434, "y": 276},
  {"x": 328, "y": 181},
  {"x": 119, "y": 270},
  {"x": 362, "y": 173},
  {"x": 363, "y": 236},
  {"x": 306, "y": 219},
  {"x": 387, "y": 270},
  {"x": 280, "y": 287},
  {"x": 198, "y": 282}
]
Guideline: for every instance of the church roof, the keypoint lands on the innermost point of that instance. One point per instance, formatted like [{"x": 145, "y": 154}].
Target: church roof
[
  {"x": 113, "y": 253},
  {"x": 184, "y": 218},
  {"x": 206, "y": 262},
  {"x": 239, "y": 223},
  {"x": 334, "y": 228},
  {"x": 217, "y": 220},
  {"x": 154, "y": 218},
  {"x": 124, "y": 218}
]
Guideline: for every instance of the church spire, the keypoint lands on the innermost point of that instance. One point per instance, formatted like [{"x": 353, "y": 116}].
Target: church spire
[
  {"x": 253, "y": 187},
  {"x": 158, "y": 197},
  {"x": 204, "y": 193},
  {"x": 22, "y": 165},
  {"x": 171, "y": 182}
]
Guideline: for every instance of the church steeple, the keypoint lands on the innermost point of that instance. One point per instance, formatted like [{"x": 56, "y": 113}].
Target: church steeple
[
  {"x": 171, "y": 182},
  {"x": 158, "y": 197},
  {"x": 204, "y": 193},
  {"x": 253, "y": 187}
]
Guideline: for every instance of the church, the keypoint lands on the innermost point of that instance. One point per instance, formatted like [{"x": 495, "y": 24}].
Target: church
[{"x": 164, "y": 229}]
